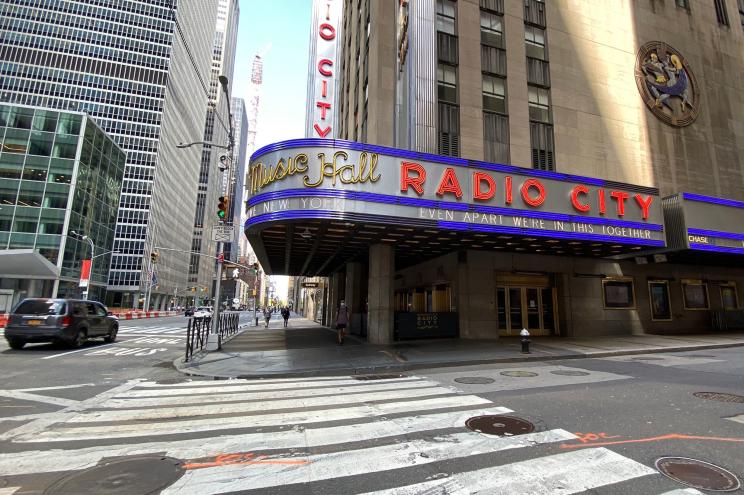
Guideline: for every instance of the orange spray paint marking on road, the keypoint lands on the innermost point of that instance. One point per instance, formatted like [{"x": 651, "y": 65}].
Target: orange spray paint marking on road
[
  {"x": 588, "y": 440},
  {"x": 593, "y": 437},
  {"x": 244, "y": 458}
]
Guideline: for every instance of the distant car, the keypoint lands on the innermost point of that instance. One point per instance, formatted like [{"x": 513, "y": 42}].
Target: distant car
[
  {"x": 67, "y": 321},
  {"x": 189, "y": 311},
  {"x": 203, "y": 312}
]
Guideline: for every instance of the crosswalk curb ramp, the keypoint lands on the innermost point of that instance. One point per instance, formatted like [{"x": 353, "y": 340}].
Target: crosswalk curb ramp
[{"x": 260, "y": 435}]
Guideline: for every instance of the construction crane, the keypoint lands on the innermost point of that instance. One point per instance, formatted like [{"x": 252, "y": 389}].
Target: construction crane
[{"x": 254, "y": 96}]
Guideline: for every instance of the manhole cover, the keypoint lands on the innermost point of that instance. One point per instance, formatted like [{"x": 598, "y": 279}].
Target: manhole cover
[
  {"x": 698, "y": 474},
  {"x": 569, "y": 373},
  {"x": 647, "y": 359},
  {"x": 502, "y": 426},
  {"x": 518, "y": 373},
  {"x": 738, "y": 399},
  {"x": 474, "y": 380},
  {"x": 388, "y": 376},
  {"x": 138, "y": 475}
]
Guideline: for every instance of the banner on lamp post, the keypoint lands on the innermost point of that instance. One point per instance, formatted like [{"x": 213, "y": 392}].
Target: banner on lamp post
[{"x": 85, "y": 273}]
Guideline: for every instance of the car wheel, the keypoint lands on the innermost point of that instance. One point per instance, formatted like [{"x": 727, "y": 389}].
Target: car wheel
[
  {"x": 80, "y": 339},
  {"x": 16, "y": 343},
  {"x": 111, "y": 337}
]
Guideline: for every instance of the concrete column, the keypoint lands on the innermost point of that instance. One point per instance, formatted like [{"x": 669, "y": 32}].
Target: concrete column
[
  {"x": 381, "y": 273},
  {"x": 353, "y": 296},
  {"x": 34, "y": 288},
  {"x": 335, "y": 294}
]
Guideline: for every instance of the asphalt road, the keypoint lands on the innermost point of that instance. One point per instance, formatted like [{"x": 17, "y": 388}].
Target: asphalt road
[{"x": 80, "y": 423}]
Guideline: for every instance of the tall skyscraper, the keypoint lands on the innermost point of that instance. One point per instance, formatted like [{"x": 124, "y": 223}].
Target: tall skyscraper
[
  {"x": 237, "y": 181},
  {"x": 140, "y": 69},
  {"x": 213, "y": 182}
]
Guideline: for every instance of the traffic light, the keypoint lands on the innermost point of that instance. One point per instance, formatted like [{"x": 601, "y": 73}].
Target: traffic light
[
  {"x": 222, "y": 207},
  {"x": 154, "y": 256}
]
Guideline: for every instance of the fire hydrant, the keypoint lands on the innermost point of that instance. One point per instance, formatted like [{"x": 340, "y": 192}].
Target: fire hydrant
[{"x": 525, "y": 339}]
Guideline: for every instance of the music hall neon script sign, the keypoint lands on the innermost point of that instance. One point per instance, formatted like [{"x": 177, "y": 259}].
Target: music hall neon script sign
[{"x": 531, "y": 191}]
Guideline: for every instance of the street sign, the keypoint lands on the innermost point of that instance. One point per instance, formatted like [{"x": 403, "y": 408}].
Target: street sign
[
  {"x": 85, "y": 273},
  {"x": 221, "y": 258},
  {"x": 310, "y": 285},
  {"x": 222, "y": 233}
]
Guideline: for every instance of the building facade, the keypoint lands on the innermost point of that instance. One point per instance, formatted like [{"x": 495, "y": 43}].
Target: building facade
[
  {"x": 212, "y": 180},
  {"x": 139, "y": 68},
  {"x": 60, "y": 174}
]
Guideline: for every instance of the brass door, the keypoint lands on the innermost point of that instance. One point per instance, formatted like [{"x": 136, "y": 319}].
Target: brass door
[{"x": 532, "y": 308}]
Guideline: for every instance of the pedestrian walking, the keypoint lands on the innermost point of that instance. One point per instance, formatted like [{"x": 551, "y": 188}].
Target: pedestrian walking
[
  {"x": 285, "y": 315},
  {"x": 342, "y": 320},
  {"x": 267, "y": 316}
]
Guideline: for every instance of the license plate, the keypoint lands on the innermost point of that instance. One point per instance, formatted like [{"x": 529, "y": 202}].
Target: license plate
[{"x": 34, "y": 322}]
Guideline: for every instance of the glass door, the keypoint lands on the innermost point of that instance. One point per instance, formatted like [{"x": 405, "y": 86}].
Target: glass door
[{"x": 532, "y": 308}]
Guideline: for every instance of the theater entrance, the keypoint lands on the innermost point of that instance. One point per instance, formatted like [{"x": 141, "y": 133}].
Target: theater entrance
[{"x": 526, "y": 302}]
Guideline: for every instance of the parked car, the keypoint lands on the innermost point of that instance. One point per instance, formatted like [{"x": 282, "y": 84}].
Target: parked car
[
  {"x": 203, "y": 312},
  {"x": 189, "y": 311},
  {"x": 67, "y": 321}
]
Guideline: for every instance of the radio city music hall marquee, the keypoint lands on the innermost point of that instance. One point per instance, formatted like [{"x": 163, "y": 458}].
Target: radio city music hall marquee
[{"x": 340, "y": 179}]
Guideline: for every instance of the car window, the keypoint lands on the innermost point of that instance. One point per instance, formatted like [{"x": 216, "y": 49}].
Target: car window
[
  {"x": 78, "y": 309},
  {"x": 92, "y": 309},
  {"x": 40, "y": 307},
  {"x": 101, "y": 311}
]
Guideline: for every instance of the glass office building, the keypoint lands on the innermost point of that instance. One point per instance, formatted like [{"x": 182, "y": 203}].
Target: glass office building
[
  {"x": 141, "y": 69},
  {"x": 59, "y": 172}
]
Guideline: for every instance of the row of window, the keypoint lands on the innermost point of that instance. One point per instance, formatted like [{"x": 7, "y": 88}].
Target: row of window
[
  {"x": 619, "y": 293},
  {"x": 85, "y": 80},
  {"x": 493, "y": 67},
  {"x": 360, "y": 91}
]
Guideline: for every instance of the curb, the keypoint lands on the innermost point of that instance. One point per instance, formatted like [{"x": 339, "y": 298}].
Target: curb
[{"x": 396, "y": 368}]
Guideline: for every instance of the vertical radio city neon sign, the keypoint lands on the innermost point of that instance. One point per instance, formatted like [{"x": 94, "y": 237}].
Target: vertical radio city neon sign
[{"x": 323, "y": 73}]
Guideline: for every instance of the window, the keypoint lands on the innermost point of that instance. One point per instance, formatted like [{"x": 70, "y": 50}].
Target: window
[
  {"x": 493, "y": 5},
  {"x": 685, "y": 4},
  {"x": 534, "y": 38},
  {"x": 729, "y": 299},
  {"x": 740, "y": 4},
  {"x": 539, "y": 103},
  {"x": 721, "y": 13},
  {"x": 492, "y": 29},
  {"x": 618, "y": 294},
  {"x": 661, "y": 308},
  {"x": 695, "y": 294},
  {"x": 447, "y": 83},
  {"x": 496, "y": 137},
  {"x": 449, "y": 130},
  {"x": 494, "y": 94},
  {"x": 541, "y": 138},
  {"x": 446, "y": 16}
]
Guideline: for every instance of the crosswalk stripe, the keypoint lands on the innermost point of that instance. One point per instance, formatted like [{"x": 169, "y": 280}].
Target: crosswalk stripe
[
  {"x": 70, "y": 459},
  {"x": 572, "y": 472},
  {"x": 293, "y": 417},
  {"x": 268, "y": 395},
  {"x": 248, "y": 407},
  {"x": 210, "y": 383},
  {"x": 738, "y": 419},
  {"x": 318, "y": 467},
  {"x": 684, "y": 491},
  {"x": 247, "y": 386}
]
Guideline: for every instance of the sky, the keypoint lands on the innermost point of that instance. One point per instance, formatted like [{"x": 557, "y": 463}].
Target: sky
[{"x": 282, "y": 27}]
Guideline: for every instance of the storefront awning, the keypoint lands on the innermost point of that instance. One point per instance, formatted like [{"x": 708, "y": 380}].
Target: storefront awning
[
  {"x": 317, "y": 203},
  {"x": 26, "y": 263}
]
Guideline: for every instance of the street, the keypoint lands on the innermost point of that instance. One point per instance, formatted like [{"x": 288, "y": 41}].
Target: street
[{"x": 118, "y": 419}]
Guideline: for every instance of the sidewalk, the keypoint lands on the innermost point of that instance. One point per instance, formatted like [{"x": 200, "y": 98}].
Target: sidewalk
[{"x": 308, "y": 349}]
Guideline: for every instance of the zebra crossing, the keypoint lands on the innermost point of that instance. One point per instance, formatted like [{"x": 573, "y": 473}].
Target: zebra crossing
[
  {"x": 160, "y": 330},
  {"x": 243, "y": 435}
]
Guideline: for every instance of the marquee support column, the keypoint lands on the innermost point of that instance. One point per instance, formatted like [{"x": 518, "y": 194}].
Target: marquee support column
[
  {"x": 381, "y": 274},
  {"x": 352, "y": 294}
]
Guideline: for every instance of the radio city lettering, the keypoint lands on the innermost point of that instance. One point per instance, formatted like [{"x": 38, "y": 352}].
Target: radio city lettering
[
  {"x": 531, "y": 191},
  {"x": 337, "y": 170},
  {"x": 326, "y": 48}
]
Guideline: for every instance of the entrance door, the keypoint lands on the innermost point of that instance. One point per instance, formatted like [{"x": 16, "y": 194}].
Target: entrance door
[{"x": 532, "y": 308}]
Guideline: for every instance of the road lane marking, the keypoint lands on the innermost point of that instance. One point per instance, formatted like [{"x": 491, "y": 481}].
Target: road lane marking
[
  {"x": 46, "y": 399},
  {"x": 55, "y": 460},
  {"x": 248, "y": 407},
  {"x": 197, "y": 388},
  {"x": 209, "y": 398},
  {"x": 560, "y": 473},
  {"x": 294, "y": 417},
  {"x": 58, "y": 387},
  {"x": 222, "y": 479},
  {"x": 77, "y": 350}
]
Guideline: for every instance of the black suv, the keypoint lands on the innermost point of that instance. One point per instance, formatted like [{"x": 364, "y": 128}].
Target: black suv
[{"x": 67, "y": 321}]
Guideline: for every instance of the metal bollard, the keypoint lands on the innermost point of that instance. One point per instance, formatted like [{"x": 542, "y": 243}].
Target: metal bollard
[
  {"x": 525, "y": 339},
  {"x": 256, "y": 320}
]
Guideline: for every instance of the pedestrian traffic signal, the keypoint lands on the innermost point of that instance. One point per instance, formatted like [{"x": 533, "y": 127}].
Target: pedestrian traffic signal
[
  {"x": 154, "y": 256},
  {"x": 222, "y": 207}
]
